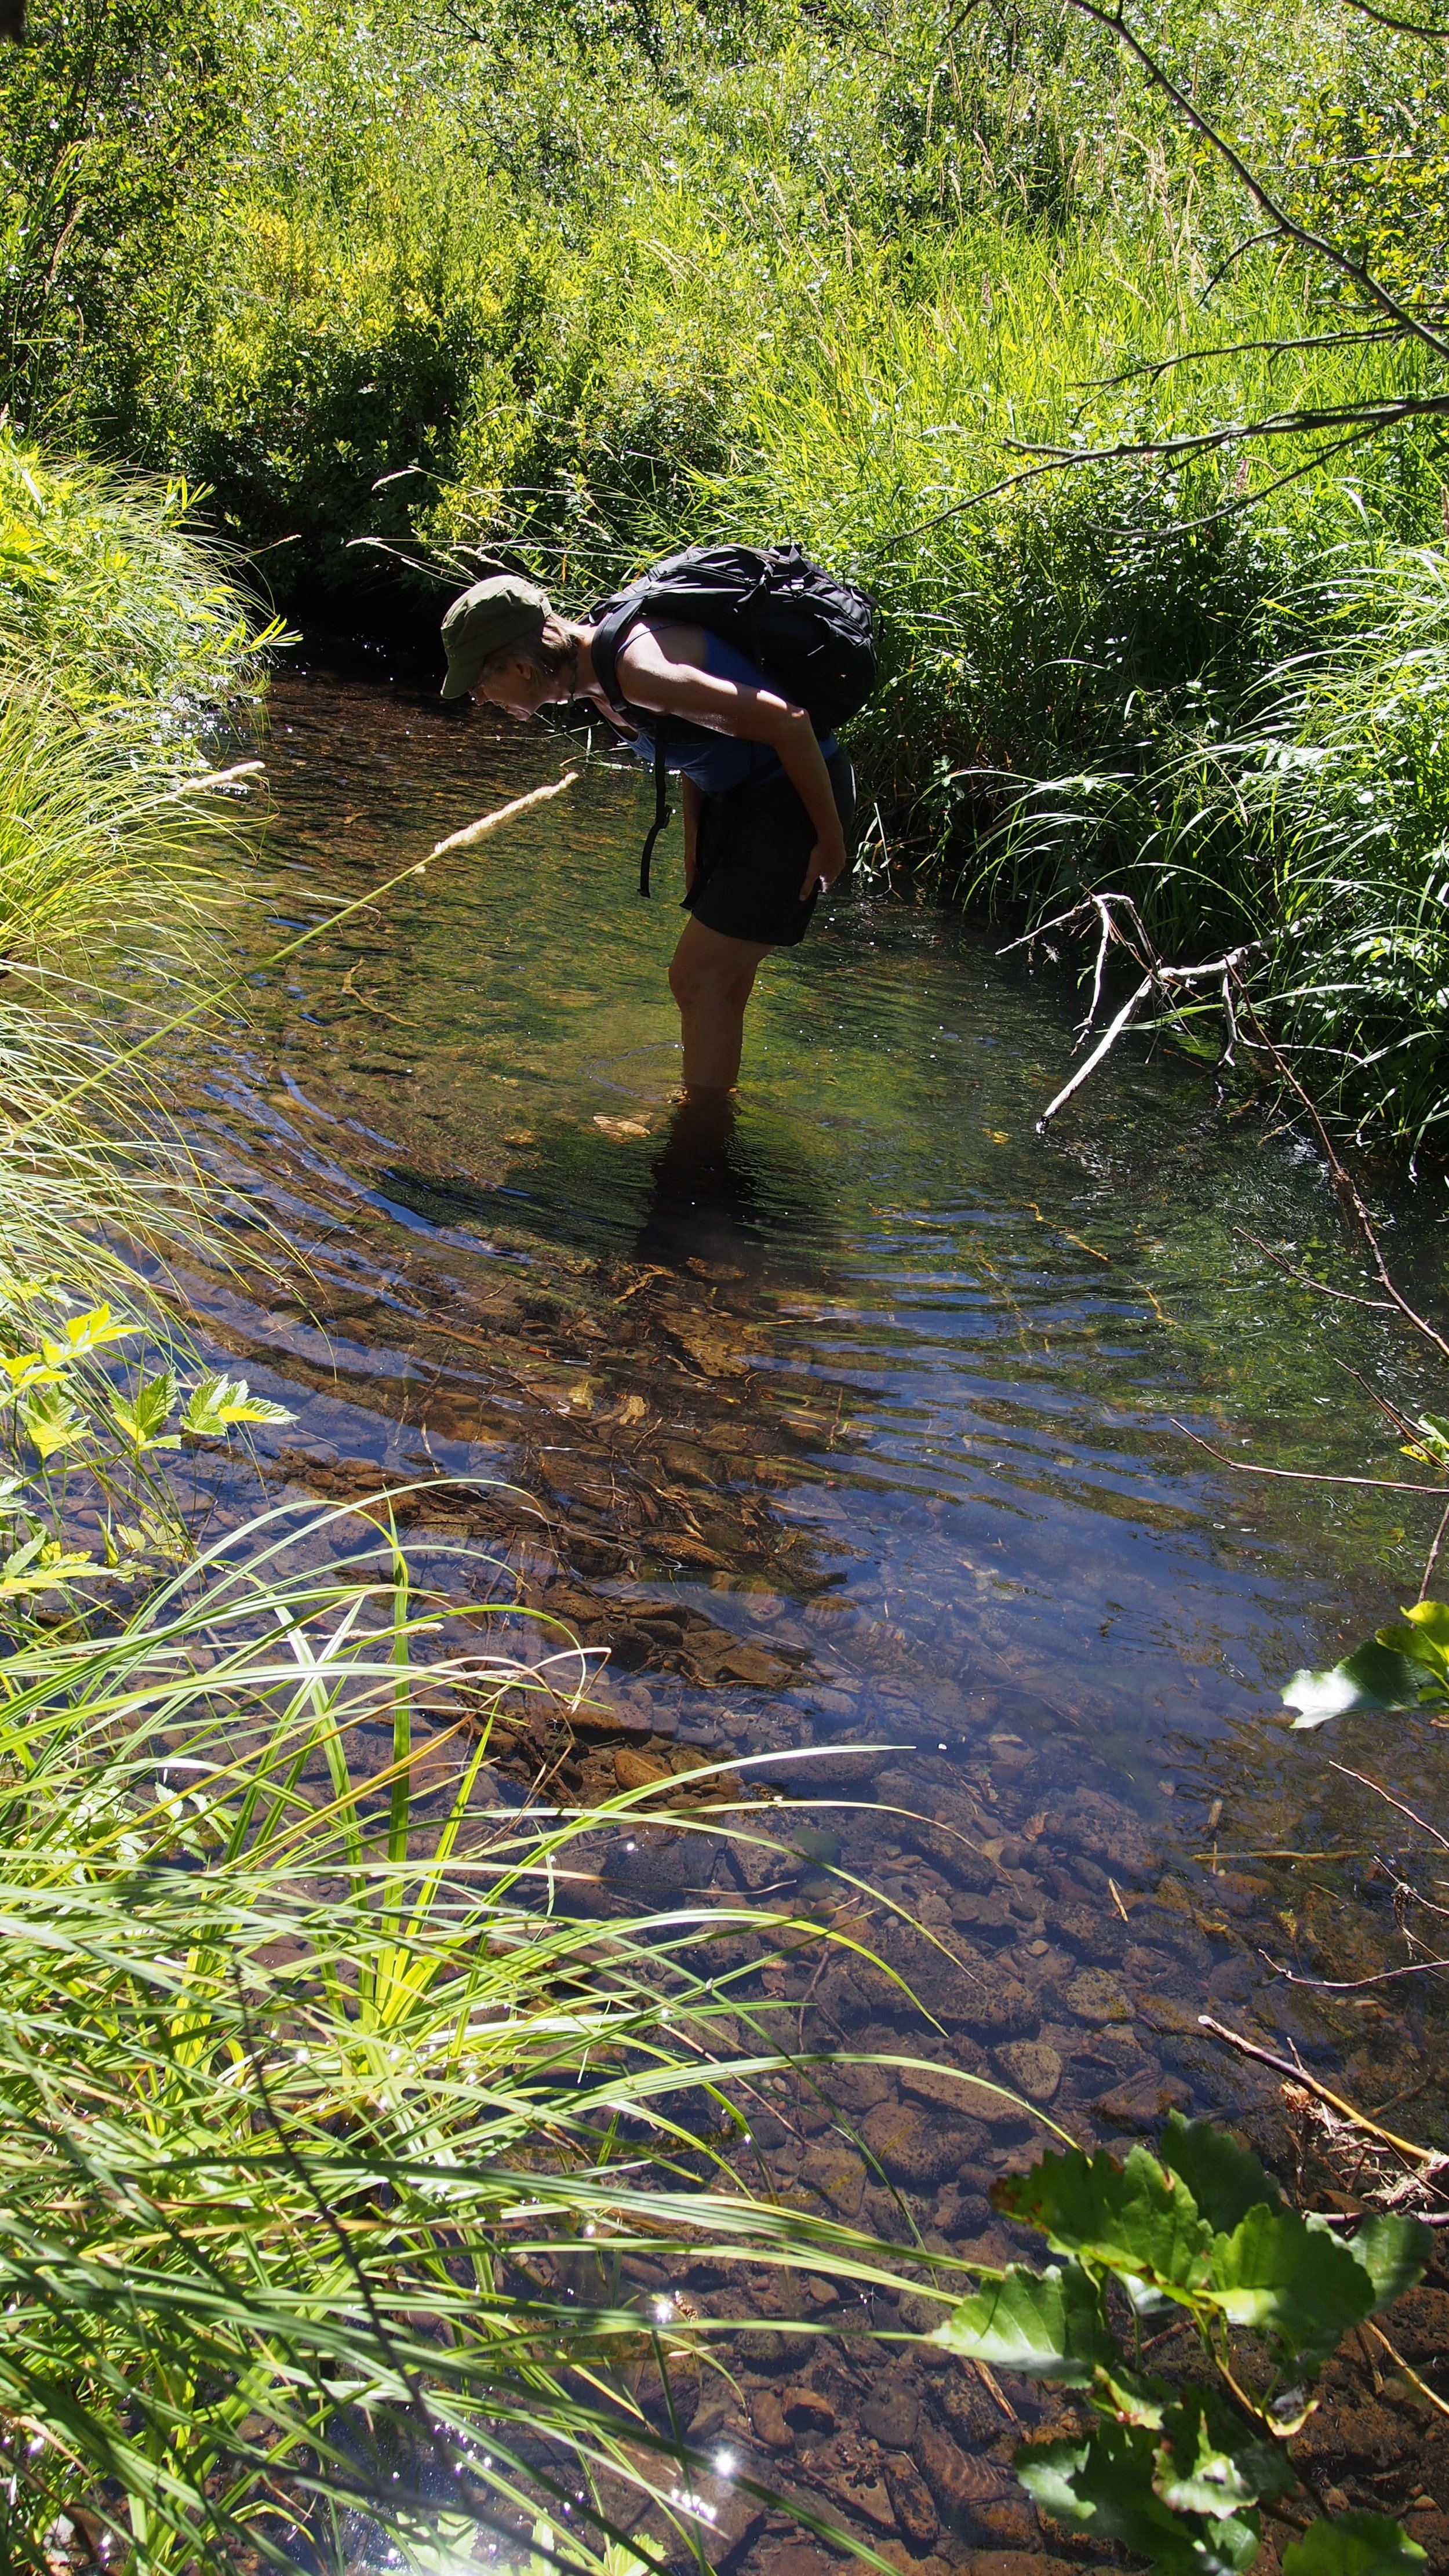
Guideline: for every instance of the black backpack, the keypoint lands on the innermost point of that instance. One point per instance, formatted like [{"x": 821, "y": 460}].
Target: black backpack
[{"x": 809, "y": 634}]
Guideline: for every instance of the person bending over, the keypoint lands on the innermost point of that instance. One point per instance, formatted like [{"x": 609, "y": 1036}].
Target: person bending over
[{"x": 768, "y": 807}]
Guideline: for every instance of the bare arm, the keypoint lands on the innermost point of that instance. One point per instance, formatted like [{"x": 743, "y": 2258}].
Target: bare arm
[{"x": 658, "y": 677}]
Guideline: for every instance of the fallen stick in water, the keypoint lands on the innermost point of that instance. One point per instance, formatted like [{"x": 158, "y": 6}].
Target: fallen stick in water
[
  {"x": 487, "y": 823},
  {"x": 1310, "y": 2083}
]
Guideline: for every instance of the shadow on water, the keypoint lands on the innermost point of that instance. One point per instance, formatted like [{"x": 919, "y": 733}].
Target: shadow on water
[{"x": 846, "y": 1423}]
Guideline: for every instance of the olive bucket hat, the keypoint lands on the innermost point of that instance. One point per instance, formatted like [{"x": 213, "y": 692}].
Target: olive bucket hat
[{"x": 486, "y": 620}]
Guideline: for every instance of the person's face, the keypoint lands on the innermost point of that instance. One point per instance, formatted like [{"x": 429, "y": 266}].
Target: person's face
[{"x": 517, "y": 685}]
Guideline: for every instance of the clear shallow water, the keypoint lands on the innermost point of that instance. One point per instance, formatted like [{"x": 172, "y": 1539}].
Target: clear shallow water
[{"x": 854, "y": 1427}]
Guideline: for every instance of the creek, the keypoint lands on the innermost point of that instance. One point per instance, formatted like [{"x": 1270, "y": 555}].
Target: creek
[{"x": 855, "y": 1430}]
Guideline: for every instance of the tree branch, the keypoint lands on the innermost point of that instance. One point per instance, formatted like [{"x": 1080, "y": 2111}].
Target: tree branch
[
  {"x": 1359, "y": 274},
  {"x": 1399, "y": 26},
  {"x": 1239, "y": 349}
]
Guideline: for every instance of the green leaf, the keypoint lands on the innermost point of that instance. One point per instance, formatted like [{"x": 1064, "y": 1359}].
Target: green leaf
[
  {"x": 52, "y": 1422},
  {"x": 1225, "y": 2180},
  {"x": 1209, "y": 2462},
  {"x": 1432, "y": 1446},
  {"x": 1047, "y": 2325},
  {"x": 141, "y": 1419},
  {"x": 1290, "y": 2280},
  {"x": 1132, "y": 2218},
  {"x": 1402, "y": 1639},
  {"x": 89, "y": 1332},
  {"x": 1373, "y": 1677},
  {"x": 27, "y": 1368},
  {"x": 1104, "y": 2485},
  {"x": 215, "y": 1406},
  {"x": 38, "y": 1567},
  {"x": 1393, "y": 2252},
  {"x": 1432, "y": 1617},
  {"x": 1354, "y": 2544}
]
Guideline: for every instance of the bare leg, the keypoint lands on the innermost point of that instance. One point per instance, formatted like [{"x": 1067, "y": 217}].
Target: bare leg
[{"x": 711, "y": 978}]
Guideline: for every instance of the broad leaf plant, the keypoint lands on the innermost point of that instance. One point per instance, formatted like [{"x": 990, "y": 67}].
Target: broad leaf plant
[{"x": 1196, "y": 2234}]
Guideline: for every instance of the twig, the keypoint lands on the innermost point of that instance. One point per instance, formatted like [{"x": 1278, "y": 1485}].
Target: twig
[
  {"x": 1399, "y": 2363},
  {"x": 360, "y": 903},
  {"x": 1350, "y": 1985},
  {"x": 1399, "y": 26},
  {"x": 1235, "y": 349},
  {"x": 1346, "y": 1296},
  {"x": 1305, "y": 1475},
  {"x": 1365, "y": 1782},
  {"x": 1349, "y": 1197},
  {"x": 1103, "y": 1047},
  {"x": 216, "y": 778},
  {"x": 989, "y": 2380},
  {"x": 1433, "y": 1556},
  {"x": 1299, "y": 2075},
  {"x": 1400, "y": 1422},
  {"x": 1355, "y": 270}
]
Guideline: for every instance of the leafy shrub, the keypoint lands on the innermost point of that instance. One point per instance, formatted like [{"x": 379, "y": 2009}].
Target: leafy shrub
[{"x": 1181, "y": 2474}]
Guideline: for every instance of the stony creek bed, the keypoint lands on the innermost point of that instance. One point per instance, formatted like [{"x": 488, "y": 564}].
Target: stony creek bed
[{"x": 858, "y": 1435}]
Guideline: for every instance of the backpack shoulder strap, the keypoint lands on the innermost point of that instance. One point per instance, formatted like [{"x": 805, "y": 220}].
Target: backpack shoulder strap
[{"x": 611, "y": 623}]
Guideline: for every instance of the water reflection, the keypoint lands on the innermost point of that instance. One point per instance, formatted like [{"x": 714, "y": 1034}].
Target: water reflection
[{"x": 731, "y": 1196}]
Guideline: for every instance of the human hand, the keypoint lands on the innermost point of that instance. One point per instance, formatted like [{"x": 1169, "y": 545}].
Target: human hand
[{"x": 826, "y": 862}]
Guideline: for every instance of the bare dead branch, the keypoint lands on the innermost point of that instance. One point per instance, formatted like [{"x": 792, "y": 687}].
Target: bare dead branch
[
  {"x": 1299, "y": 2075},
  {"x": 1303, "y": 1475},
  {"x": 1153, "y": 367},
  {"x": 1433, "y": 1556}
]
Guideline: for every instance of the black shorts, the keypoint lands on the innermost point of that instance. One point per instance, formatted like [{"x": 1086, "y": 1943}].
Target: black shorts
[{"x": 753, "y": 849}]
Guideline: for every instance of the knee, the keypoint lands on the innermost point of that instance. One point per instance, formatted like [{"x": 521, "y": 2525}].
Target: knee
[{"x": 685, "y": 982}]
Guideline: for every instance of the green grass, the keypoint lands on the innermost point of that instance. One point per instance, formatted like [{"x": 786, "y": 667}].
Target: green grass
[
  {"x": 333, "y": 2095},
  {"x": 127, "y": 648}
]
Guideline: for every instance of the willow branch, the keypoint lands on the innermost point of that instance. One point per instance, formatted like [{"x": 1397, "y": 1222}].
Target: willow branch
[
  {"x": 1238, "y": 349},
  {"x": 1356, "y": 270}
]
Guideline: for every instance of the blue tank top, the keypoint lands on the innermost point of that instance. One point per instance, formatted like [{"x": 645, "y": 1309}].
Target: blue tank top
[{"x": 719, "y": 763}]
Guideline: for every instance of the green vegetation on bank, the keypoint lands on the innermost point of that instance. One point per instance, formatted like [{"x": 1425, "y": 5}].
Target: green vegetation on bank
[
  {"x": 123, "y": 645},
  {"x": 588, "y": 280}
]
